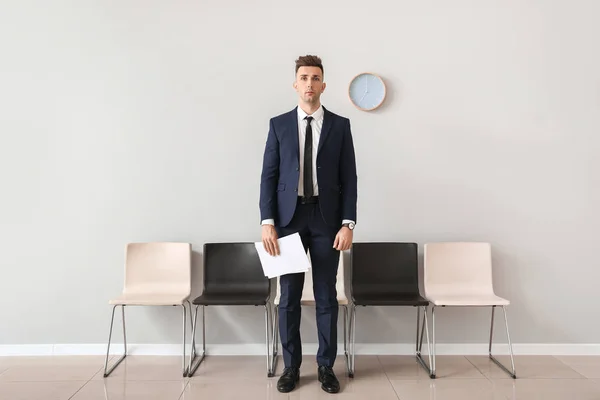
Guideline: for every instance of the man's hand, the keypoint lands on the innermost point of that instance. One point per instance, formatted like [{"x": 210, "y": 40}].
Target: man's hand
[
  {"x": 269, "y": 239},
  {"x": 343, "y": 239}
]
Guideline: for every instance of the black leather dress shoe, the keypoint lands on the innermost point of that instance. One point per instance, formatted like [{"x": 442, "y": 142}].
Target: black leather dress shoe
[
  {"x": 329, "y": 382},
  {"x": 289, "y": 378}
]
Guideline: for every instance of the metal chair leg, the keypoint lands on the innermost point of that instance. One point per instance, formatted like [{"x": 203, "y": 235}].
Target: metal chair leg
[
  {"x": 345, "y": 332},
  {"x": 424, "y": 330},
  {"x": 346, "y": 345},
  {"x": 194, "y": 359},
  {"x": 107, "y": 372},
  {"x": 419, "y": 342},
  {"x": 193, "y": 349},
  {"x": 268, "y": 325},
  {"x": 512, "y": 361},
  {"x": 274, "y": 339},
  {"x": 184, "y": 367},
  {"x": 432, "y": 375},
  {"x": 352, "y": 340}
]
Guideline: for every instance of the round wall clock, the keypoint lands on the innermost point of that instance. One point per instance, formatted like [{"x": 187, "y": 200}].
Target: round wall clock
[{"x": 367, "y": 91}]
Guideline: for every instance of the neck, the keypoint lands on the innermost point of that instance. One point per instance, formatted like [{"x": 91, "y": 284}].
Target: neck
[{"x": 309, "y": 108}]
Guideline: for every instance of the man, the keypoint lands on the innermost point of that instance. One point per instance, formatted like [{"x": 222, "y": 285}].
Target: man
[{"x": 309, "y": 186}]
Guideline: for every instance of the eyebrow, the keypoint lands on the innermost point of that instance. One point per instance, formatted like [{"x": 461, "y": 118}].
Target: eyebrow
[{"x": 314, "y": 76}]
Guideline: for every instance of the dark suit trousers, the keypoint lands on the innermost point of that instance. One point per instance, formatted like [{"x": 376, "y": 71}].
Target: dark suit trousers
[{"x": 318, "y": 238}]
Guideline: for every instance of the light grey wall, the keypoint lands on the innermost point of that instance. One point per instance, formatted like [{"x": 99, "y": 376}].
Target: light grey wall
[{"x": 145, "y": 120}]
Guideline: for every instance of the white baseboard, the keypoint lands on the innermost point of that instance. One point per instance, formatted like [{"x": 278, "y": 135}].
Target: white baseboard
[
  {"x": 259, "y": 349},
  {"x": 26, "y": 350}
]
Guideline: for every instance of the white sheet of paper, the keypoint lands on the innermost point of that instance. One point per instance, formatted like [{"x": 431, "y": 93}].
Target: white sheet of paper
[{"x": 291, "y": 259}]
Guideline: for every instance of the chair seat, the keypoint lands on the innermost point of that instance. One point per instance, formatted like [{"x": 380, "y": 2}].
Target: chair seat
[
  {"x": 386, "y": 299},
  {"x": 149, "y": 299},
  {"x": 467, "y": 300},
  {"x": 231, "y": 299}
]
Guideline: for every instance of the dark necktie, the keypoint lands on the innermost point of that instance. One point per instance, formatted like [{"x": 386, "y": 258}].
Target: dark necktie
[{"x": 308, "y": 152}]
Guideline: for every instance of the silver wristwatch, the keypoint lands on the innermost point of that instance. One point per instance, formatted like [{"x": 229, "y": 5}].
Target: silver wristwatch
[{"x": 349, "y": 225}]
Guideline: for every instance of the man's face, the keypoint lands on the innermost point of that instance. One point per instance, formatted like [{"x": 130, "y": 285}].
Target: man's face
[{"x": 309, "y": 84}]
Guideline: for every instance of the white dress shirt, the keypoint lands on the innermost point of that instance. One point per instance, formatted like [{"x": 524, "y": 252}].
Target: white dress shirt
[{"x": 317, "y": 126}]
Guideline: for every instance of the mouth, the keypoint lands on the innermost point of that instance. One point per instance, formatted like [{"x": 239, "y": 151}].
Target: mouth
[{"x": 309, "y": 93}]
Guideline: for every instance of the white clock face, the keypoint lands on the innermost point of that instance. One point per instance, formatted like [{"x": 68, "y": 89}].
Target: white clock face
[{"x": 367, "y": 91}]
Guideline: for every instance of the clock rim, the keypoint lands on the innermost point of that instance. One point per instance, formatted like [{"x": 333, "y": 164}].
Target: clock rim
[{"x": 384, "y": 91}]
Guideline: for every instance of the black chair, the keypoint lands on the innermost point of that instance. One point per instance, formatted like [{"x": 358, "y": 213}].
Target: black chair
[
  {"x": 386, "y": 274},
  {"x": 233, "y": 276}
]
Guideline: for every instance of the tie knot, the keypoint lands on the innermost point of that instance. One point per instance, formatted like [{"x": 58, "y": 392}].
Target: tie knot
[{"x": 308, "y": 119}]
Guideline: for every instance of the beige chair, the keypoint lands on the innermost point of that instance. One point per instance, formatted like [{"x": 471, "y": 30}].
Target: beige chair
[
  {"x": 156, "y": 274},
  {"x": 308, "y": 299},
  {"x": 460, "y": 275}
]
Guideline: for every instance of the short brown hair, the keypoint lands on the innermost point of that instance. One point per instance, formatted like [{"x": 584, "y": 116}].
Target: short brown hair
[{"x": 309, "y": 61}]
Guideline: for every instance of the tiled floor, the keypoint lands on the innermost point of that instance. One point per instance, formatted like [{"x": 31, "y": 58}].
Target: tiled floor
[{"x": 377, "y": 377}]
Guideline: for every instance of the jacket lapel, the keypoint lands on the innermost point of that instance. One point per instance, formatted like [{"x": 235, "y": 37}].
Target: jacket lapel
[
  {"x": 293, "y": 130},
  {"x": 327, "y": 121}
]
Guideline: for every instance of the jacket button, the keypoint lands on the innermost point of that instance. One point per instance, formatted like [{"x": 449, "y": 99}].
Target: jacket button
[
  {"x": 295, "y": 190},
  {"x": 297, "y": 169}
]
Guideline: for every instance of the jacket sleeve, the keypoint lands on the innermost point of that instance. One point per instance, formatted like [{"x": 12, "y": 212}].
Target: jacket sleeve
[
  {"x": 269, "y": 176},
  {"x": 348, "y": 176}
]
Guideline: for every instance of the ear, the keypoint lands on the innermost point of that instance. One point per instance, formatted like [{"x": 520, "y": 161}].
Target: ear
[{"x": 323, "y": 87}]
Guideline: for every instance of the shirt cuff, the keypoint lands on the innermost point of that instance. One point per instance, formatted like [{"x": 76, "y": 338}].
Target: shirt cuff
[
  {"x": 268, "y": 222},
  {"x": 347, "y": 221}
]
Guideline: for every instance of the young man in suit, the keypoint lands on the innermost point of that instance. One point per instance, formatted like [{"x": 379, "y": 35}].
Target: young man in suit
[{"x": 309, "y": 186}]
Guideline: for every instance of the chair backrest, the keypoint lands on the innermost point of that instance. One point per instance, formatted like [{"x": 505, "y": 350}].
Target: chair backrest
[
  {"x": 460, "y": 268},
  {"x": 307, "y": 290},
  {"x": 231, "y": 268},
  {"x": 159, "y": 267},
  {"x": 384, "y": 268}
]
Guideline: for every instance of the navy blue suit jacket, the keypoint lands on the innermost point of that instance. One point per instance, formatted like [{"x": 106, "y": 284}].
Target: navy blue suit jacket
[{"x": 336, "y": 170}]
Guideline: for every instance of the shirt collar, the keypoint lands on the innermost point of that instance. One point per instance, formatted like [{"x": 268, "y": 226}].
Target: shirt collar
[{"x": 317, "y": 115}]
